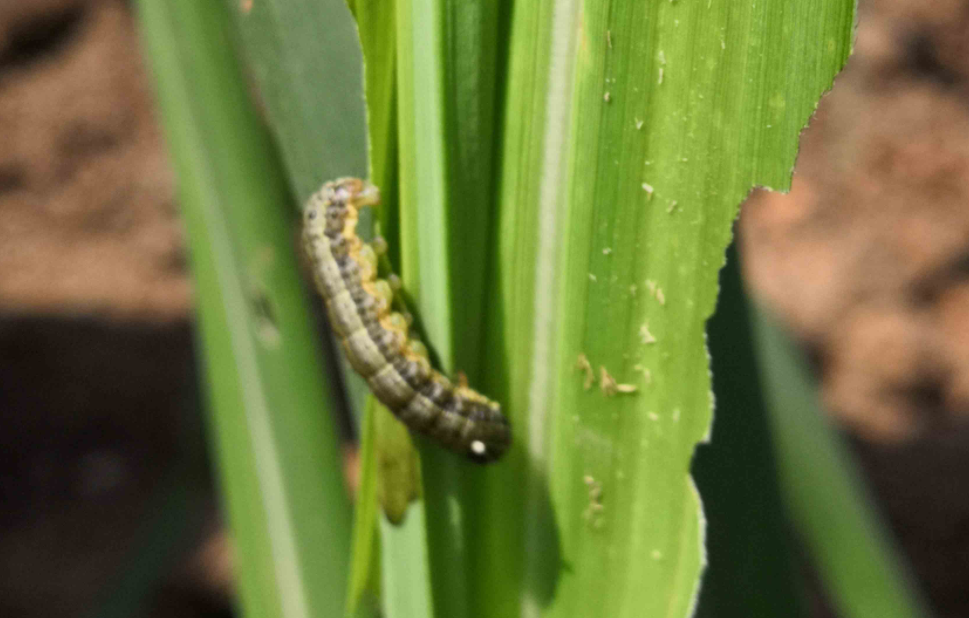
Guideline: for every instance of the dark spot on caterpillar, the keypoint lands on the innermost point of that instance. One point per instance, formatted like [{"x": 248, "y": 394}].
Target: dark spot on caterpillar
[{"x": 377, "y": 342}]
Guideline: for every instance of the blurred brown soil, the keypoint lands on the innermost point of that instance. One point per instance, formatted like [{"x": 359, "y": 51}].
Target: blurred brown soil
[
  {"x": 868, "y": 256},
  {"x": 87, "y": 196},
  {"x": 95, "y": 327},
  {"x": 867, "y": 259}
]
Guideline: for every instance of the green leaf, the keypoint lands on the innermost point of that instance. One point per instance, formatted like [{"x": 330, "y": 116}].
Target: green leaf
[
  {"x": 857, "y": 560},
  {"x": 365, "y": 565},
  {"x": 625, "y": 143},
  {"x": 304, "y": 57},
  {"x": 568, "y": 173},
  {"x": 277, "y": 445},
  {"x": 406, "y": 578},
  {"x": 449, "y": 55},
  {"x": 632, "y": 132},
  {"x": 398, "y": 466},
  {"x": 376, "y": 20}
]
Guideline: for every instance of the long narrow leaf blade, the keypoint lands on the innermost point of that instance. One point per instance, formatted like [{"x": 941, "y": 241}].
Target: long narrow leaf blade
[
  {"x": 632, "y": 132},
  {"x": 448, "y": 58},
  {"x": 305, "y": 58},
  {"x": 278, "y": 447},
  {"x": 856, "y": 559}
]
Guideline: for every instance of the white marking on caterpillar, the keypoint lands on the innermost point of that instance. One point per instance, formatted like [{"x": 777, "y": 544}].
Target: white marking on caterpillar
[{"x": 377, "y": 342}]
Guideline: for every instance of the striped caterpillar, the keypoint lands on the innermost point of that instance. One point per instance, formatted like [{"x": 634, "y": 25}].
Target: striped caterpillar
[{"x": 376, "y": 340}]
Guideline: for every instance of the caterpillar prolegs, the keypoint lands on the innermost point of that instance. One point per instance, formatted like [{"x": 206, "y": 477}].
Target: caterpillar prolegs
[{"x": 376, "y": 340}]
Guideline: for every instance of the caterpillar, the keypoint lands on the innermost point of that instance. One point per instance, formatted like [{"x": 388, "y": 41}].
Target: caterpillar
[{"x": 377, "y": 341}]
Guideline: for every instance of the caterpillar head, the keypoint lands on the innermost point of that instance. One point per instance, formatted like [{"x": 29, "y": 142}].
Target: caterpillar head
[{"x": 490, "y": 435}]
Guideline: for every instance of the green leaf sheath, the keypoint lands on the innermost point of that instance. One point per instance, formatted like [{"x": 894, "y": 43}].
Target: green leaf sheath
[{"x": 450, "y": 56}]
